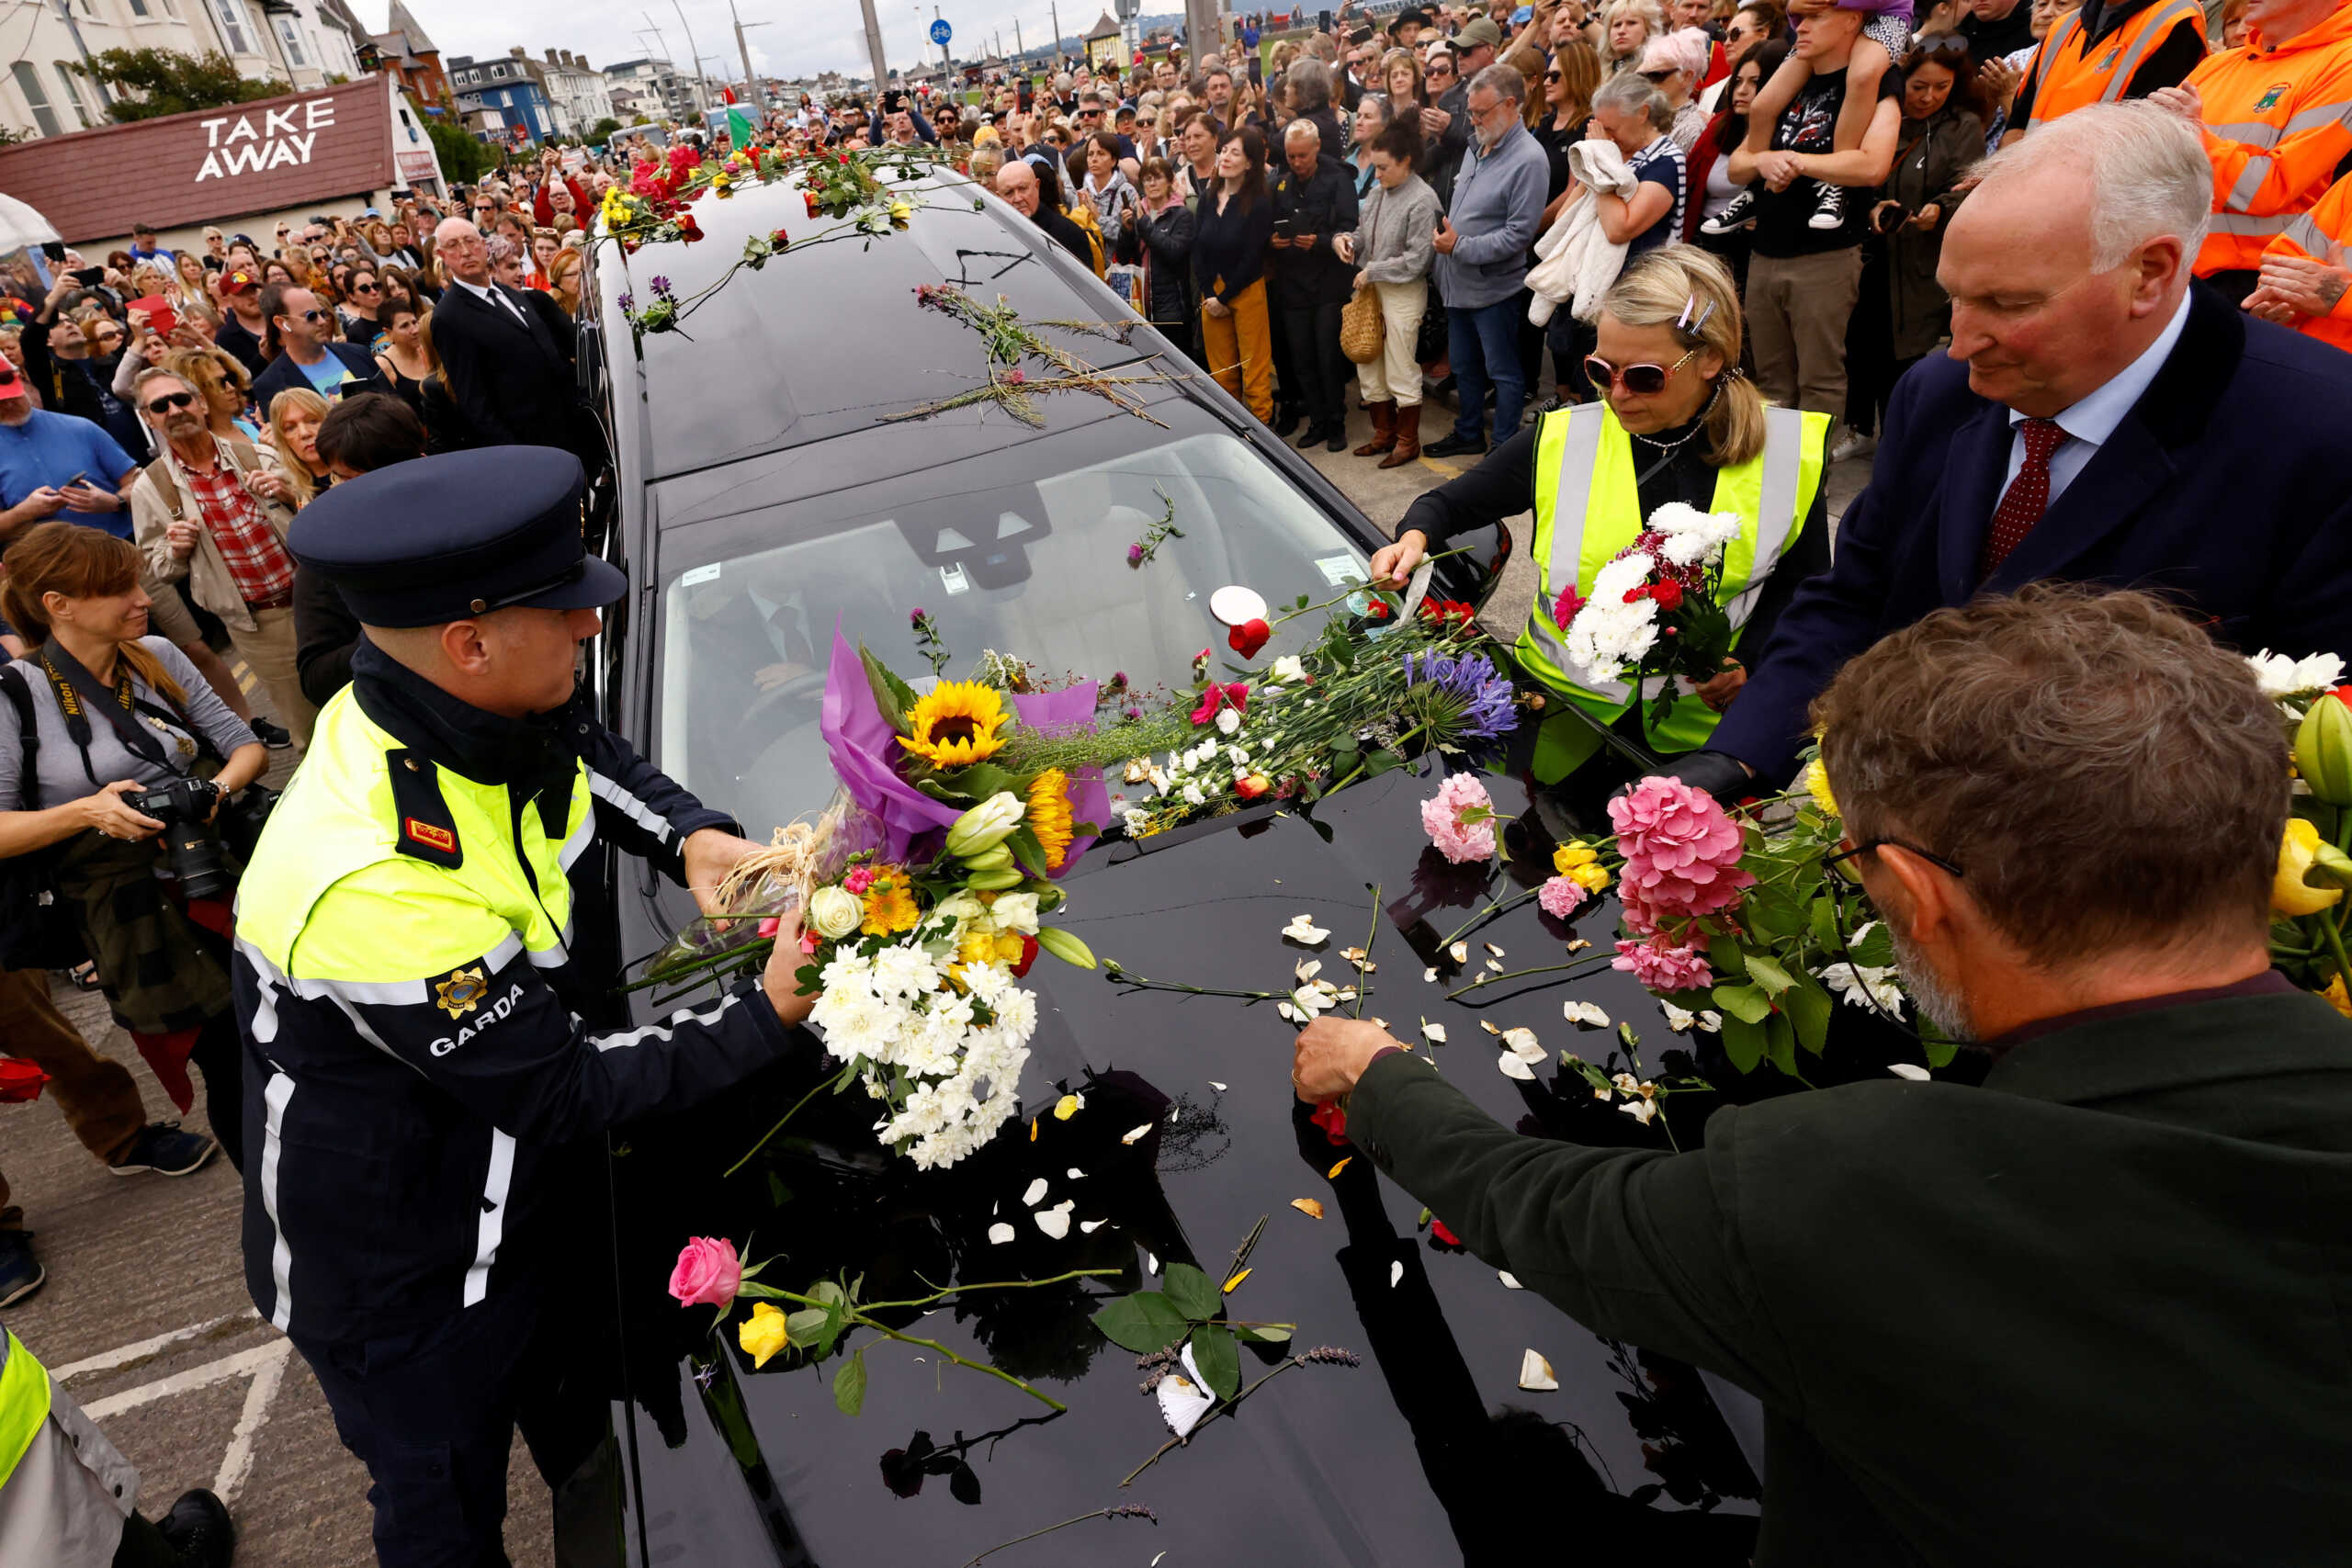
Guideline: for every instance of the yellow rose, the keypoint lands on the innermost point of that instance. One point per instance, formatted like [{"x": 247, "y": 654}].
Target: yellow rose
[
  {"x": 2296, "y": 852},
  {"x": 1591, "y": 878},
  {"x": 2336, "y": 997},
  {"x": 762, "y": 1333},
  {"x": 1568, "y": 857}
]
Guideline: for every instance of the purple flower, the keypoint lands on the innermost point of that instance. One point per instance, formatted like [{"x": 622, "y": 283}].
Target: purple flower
[
  {"x": 660, "y": 286},
  {"x": 1461, "y": 693},
  {"x": 1134, "y": 554},
  {"x": 1135, "y": 713},
  {"x": 916, "y": 617},
  {"x": 627, "y": 303}
]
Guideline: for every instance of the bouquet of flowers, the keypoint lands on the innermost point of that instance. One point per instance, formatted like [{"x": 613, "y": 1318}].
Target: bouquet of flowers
[
  {"x": 2307, "y": 893},
  {"x": 1652, "y": 612}
]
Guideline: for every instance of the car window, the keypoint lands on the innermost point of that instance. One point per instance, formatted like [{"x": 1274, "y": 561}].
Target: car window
[{"x": 1021, "y": 551}]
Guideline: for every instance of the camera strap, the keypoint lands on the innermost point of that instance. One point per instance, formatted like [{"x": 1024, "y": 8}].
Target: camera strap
[{"x": 79, "y": 694}]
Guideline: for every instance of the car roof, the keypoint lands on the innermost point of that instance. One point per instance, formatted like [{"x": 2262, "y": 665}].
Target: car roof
[{"x": 791, "y": 354}]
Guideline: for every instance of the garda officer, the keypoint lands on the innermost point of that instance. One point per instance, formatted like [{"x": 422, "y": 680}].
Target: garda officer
[
  {"x": 2106, "y": 52},
  {"x": 412, "y": 997},
  {"x": 1680, "y": 424}
]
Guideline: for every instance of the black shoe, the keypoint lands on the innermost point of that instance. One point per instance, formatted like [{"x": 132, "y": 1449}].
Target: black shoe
[
  {"x": 1741, "y": 209},
  {"x": 1336, "y": 440},
  {"x": 1456, "y": 447},
  {"x": 1831, "y": 210},
  {"x": 269, "y": 735},
  {"x": 163, "y": 1148},
  {"x": 1313, "y": 435},
  {"x": 20, "y": 1272},
  {"x": 1286, "y": 421},
  {"x": 200, "y": 1529}
]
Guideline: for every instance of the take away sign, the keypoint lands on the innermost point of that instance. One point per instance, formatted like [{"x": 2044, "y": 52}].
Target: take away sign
[{"x": 215, "y": 165}]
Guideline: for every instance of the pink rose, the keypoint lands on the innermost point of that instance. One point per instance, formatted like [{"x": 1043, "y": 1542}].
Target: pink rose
[
  {"x": 1460, "y": 821},
  {"x": 1681, "y": 850},
  {"x": 708, "y": 1273},
  {"x": 1559, "y": 897},
  {"x": 1663, "y": 967}
]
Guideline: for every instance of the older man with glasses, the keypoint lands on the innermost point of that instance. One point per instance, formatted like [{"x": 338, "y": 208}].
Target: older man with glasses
[
  {"x": 1493, "y": 214},
  {"x": 1978, "y": 1310}
]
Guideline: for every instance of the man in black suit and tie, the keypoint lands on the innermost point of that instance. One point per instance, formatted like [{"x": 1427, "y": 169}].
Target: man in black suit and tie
[
  {"x": 2100, "y": 418},
  {"x": 507, "y": 354}
]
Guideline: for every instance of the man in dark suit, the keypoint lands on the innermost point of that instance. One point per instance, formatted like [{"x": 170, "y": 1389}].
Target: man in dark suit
[
  {"x": 2051, "y": 1319},
  {"x": 2100, "y": 419},
  {"x": 507, "y": 354}
]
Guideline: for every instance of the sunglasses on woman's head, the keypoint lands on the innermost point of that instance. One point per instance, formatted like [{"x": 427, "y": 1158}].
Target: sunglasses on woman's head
[
  {"x": 1642, "y": 380},
  {"x": 171, "y": 400}
]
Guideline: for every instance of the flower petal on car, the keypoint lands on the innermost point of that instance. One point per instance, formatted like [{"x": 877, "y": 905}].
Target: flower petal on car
[
  {"x": 1395, "y": 1273},
  {"x": 1510, "y": 1280},
  {"x": 1512, "y": 1067},
  {"x": 1311, "y": 1208},
  {"x": 1433, "y": 1032},
  {"x": 1535, "y": 1373},
  {"x": 1591, "y": 1016},
  {"x": 1303, "y": 929},
  {"x": 1139, "y": 1134},
  {"x": 1908, "y": 1070},
  {"x": 1055, "y": 1221},
  {"x": 1459, "y": 952},
  {"x": 1037, "y": 1190},
  {"x": 1520, "y": 1042},
  {"x": 999, "y": 1232}
]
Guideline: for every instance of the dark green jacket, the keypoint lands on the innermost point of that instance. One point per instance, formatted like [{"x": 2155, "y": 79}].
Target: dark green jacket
[{"x": 2094, "y": 1312}]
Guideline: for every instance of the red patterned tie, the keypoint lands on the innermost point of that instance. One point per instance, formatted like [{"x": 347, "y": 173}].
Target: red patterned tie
[{"x": 2025, "y": 499}]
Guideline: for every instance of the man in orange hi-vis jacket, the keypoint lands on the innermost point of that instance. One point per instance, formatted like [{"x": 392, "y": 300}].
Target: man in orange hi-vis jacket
[
  {"x": 2304, "y": 282},
  {"x": 2277, "y": 118}
]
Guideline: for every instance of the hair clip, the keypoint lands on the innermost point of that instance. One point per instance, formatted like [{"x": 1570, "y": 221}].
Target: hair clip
[{"x": 1693, "y": 320}]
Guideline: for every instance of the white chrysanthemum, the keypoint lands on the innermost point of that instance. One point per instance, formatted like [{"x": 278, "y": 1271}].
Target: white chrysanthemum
[
  {"x": 1015, "y": 912},
  {"x": 903, "y": 971},
  {"x": 1137, "y": 821},
  {"x": 2280, "y": 676},
  {"x": 1692, "y": 535},
  {"x": 1016, "y": 1013}
]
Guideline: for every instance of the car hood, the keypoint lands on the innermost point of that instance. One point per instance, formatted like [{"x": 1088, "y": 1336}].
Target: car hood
[{"x": 1428, "y": 1452}]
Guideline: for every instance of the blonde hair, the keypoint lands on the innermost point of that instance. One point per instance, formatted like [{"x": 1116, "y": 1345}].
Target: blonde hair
[
  {"x": 295, "y": 400},
  {"x": 1653, "y": 19},
  {"x": 1672, "y": 286}
]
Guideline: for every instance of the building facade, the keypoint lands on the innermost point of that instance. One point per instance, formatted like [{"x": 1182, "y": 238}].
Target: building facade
[
  {"x": 579, "y": 92},
  {"x": 652, "y": 88},
  {"x": 404, "y": 50},
  {"x": 503, "y": 98}
]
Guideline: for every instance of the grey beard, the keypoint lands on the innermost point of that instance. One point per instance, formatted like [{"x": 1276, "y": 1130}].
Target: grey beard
[{"x": 1933, "y": 999}]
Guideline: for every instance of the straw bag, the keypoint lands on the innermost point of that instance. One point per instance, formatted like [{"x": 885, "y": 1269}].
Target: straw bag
[{"x": 1360, "y": 327}]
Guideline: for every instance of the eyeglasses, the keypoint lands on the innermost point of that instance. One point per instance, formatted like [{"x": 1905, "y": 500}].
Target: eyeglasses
[
  {"x": 171, "y": 400},
  {"x": 314, "y": 315},
  {"x": 365, "y": 289},
  {"x": 1551, "y": 75},
  {"x": 1642, "y": 380},
  {"x": 1841, "y": 865},
  {"x": 1657, "y": 78}
]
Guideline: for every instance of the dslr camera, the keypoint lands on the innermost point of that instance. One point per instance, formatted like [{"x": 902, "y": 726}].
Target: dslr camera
[{"x": 184, "y": 808}]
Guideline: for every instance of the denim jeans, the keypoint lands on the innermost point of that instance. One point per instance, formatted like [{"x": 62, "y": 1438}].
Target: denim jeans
[{"x": 1484, "y": 346}]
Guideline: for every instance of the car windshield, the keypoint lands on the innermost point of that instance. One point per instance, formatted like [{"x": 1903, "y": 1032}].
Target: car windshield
[{"x": 1022, "y": 550}]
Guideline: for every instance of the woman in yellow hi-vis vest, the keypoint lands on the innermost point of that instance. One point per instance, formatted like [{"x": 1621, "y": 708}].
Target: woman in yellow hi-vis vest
[
  {"x": 1680, "y": 424},
  {"x": 69, "y": 1500}
]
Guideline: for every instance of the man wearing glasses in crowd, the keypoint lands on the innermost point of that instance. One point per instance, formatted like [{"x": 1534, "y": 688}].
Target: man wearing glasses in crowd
[{"x": 308, "y": 355}]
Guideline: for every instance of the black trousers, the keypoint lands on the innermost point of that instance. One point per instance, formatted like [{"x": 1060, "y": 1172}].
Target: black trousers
[
  {"x": 432, "y": 1414},
  {"x": 1313, "y": 334},
  {"x": 219, "y": 1056}
]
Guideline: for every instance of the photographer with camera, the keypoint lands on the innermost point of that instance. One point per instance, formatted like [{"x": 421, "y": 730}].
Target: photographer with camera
[{"x": 106, "y": 740}]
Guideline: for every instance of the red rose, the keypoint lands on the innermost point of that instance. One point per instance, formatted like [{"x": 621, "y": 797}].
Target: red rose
[
  {"x": 1028, "y": 957},
  {"x": 1253, "y": 786},
  {"x": 1248, "y": 638},
  {"x": 1442, "y": 1232},
  {"x": 1668, "y": 594},
  {"x": 1332, "y": 1117}
]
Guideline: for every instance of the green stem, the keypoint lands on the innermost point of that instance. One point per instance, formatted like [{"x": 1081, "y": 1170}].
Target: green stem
[
  {"x": 1226, "y": 1409},
  {"x": 1122, "y": 977},
  {"x": 1584, "y": 965},
  {"x": 1016, "y": 1540},
  {"x": 1369, "y": 938},
  {"x": 2335, "y": 937},
  {"x": 772, "y": 1132},
  {"x": 941, "y": 1295},
  {"x": 1366, "y": 762},
  {"x": 1497, "y": 907}
]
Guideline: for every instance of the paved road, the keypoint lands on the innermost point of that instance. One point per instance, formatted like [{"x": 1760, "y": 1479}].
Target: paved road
[{"x": 145, "y": 1316}]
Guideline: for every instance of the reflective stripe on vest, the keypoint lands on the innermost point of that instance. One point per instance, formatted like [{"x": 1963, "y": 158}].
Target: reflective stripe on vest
[
  {"x": 338, "y": 820},
  {"x": 2073, "y": 76},
  {"x": 1583, "y": 452},
  {"x": 24, "y": 1404}
]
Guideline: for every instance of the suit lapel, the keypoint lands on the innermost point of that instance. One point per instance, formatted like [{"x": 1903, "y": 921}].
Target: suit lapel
[
  {"x": 2131, "y": 469},
  {"x": 1976, "y": 469}
]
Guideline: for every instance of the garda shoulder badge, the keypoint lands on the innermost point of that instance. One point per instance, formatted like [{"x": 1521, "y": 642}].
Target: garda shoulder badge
[
  {"x": 461, "y": 992},
  {"x": 425, "y": 829}
]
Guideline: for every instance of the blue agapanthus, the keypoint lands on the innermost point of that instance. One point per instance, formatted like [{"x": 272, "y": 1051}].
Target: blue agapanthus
[{"x": 1461, "y": 697}]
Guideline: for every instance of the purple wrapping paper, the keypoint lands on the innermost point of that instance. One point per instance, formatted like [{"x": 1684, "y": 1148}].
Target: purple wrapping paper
[{"x": 864, "y": 750}]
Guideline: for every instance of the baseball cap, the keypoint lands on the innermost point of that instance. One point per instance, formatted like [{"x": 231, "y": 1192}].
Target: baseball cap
[
  {"x": 1479, "y": 30},
  {"x": 12, "y": 386},
  {"x": 237, "y": 282}
]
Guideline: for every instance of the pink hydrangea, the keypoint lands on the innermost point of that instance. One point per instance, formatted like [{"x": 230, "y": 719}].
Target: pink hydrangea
[
  {"x": 1663, "y": 967},
  {"x": 1681, "y": 850},
  {"x": 1559, "y": 897},
  {"x": 1460, "y": 821}
]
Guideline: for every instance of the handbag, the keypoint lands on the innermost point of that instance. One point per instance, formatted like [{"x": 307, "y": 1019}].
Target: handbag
[
  {"x": 1436, "y": 339},
  {"x": 1360, "y": 328},
  {"x": 37, "y": 929}
]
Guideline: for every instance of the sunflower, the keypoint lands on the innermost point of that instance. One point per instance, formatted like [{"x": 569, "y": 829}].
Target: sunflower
[
  {"x": 1049, "y": 815},
  {"x": 956, "y": 724},
  {"x": 889, "y": 903}
]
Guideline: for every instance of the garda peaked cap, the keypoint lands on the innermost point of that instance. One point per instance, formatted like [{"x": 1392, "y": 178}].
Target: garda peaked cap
[{"x": 439, "y": 539}]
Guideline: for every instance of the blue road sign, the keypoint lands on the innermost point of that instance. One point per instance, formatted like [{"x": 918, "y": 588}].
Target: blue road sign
[{"x": 940, "y": 31}]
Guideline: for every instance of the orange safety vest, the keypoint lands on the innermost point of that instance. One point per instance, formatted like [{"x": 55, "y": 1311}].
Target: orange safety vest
[
  {"x": 2062, "y": 77},
  {"x": 2278, "y": 121},
  {"x": 2326, "y": 225}
]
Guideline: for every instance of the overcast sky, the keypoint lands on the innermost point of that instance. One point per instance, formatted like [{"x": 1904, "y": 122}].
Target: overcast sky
[{"x": 801, "y": 37}]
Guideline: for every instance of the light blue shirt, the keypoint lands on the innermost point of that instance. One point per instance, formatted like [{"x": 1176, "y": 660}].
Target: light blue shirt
[{"x": 2089, "y": 423}]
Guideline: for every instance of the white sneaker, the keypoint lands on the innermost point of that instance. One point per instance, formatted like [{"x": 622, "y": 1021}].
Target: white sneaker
[{"x": 1855, "y": 445}]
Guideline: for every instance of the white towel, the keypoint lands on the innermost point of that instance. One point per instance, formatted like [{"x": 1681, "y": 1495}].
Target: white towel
[{"x": 1577, "y": 262}]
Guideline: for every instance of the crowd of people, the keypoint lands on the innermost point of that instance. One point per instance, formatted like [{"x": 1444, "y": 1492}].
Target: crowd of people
[{"x": 1692, "y": 252}]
